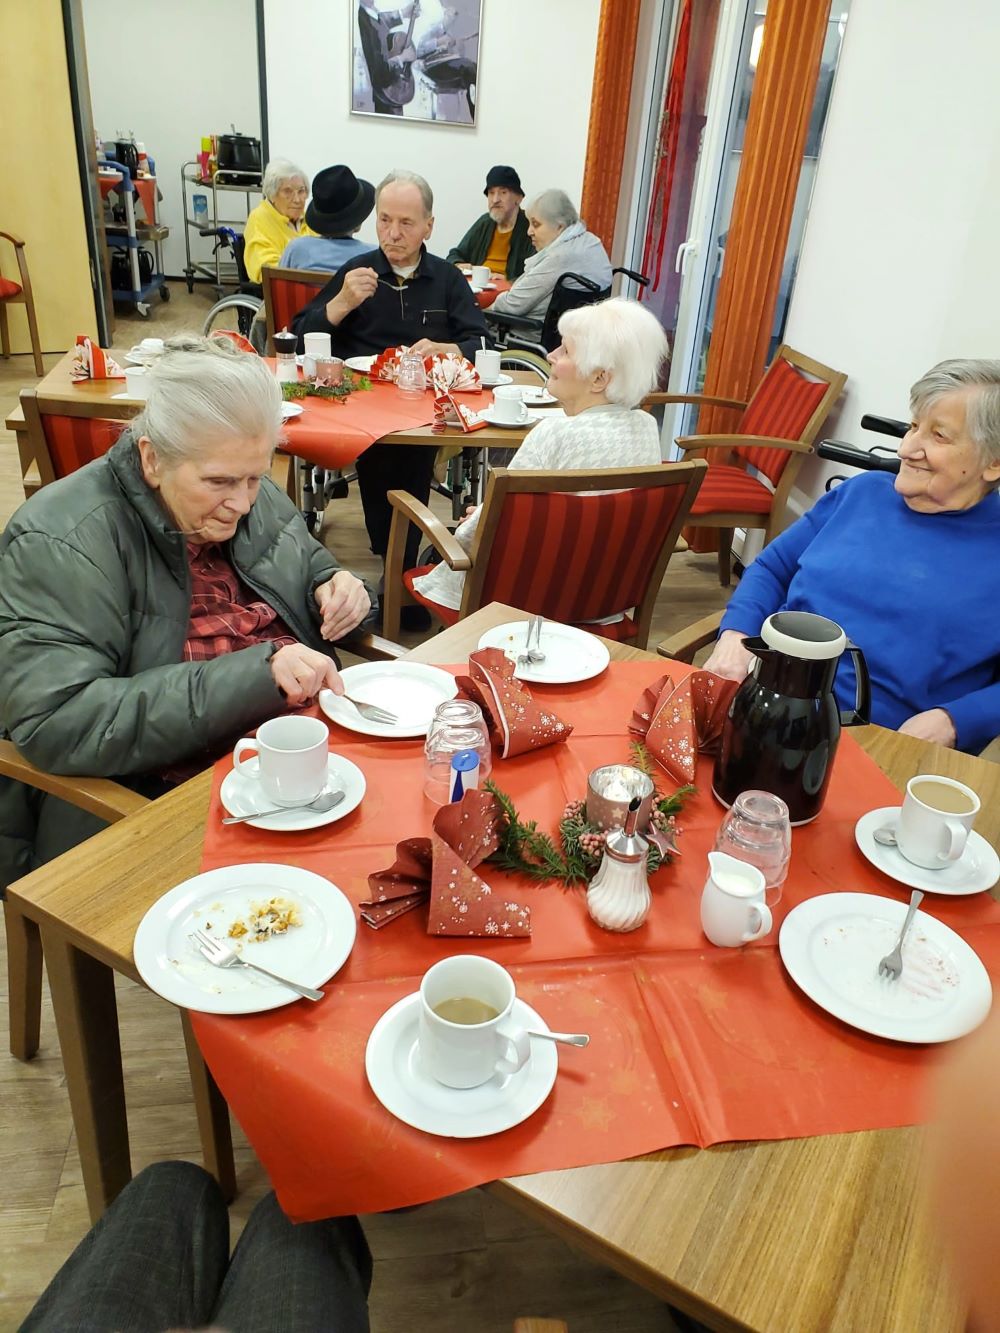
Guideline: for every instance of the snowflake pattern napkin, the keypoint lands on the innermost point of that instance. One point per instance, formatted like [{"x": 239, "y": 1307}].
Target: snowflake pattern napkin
[
  {"x": 516, "y": 722},
  {"x": 677, "y": 722}
]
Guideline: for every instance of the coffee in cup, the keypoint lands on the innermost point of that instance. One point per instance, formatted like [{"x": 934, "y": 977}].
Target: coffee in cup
[
  {"x": 292, "y": 754},
  {"x": 508, "y": 406},
  {"x": 467, "y": 1033},
  {"x": 488, "y": 366},
  {"x": 935, "y": 820}
]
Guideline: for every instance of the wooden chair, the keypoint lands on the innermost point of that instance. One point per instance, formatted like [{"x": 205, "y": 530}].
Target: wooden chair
[
  {"x": 683, "y": 645},
  {"x": 60, "y": 436},
  {"x": 13, "y": 293},
  {"x": 286, "y": 291},
  {"x": 750, "y": 484},
  {"x": 545, "y": 545}
]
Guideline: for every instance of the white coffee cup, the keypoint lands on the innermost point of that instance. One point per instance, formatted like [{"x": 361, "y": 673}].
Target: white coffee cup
[
  {"x": 136, "y": 383},
  {"x": 291, "y": 758},
  {"x": 488, "y": 366},
  {"x": 314, "y": 345},
  {"x": 481, "y": 275},
  {"x": 733, "y": 911},
  {"x": 467, "y": 1035},
  {"x": 935, "y": 820},
  {"x": 508, "y": 406}
]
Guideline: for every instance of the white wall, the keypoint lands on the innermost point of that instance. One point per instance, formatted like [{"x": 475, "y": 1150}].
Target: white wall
[
  {"x": 172, "y": 73},
  {"x": 535, "y": 74},
  {"x": 899, "y": 266}
]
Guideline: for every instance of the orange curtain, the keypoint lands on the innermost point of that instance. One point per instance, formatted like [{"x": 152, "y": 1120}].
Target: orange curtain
[
  {"x": 609, "y": 106},
  {"x": 780, "y": 107}
]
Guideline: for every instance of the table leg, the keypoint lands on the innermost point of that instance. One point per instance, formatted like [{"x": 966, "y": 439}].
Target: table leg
[
  {"x": 212, "y": 1111},
  {"x": 24, "y": 982},
  {"x": 83, "y": 1000}
]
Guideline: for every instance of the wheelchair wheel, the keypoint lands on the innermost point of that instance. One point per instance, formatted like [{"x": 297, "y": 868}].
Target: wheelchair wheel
[
  {"x": 525, "y": 360},
  {"x": 233, "y": 313}
]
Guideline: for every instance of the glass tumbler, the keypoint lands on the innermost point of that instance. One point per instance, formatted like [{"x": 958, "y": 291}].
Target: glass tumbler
[
  {"x": 411, "y": 378},
  {"x": 757, "y": 830},
  {"x": 457, "y": 725}
]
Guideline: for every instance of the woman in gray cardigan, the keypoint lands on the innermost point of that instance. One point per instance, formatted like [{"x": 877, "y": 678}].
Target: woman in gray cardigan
[{"x": 563, "y": 245}]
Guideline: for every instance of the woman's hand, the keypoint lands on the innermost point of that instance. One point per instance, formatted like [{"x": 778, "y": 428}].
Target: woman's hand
[
  {"x": 935, "y": 726},
  {"x": 343, "y": 603},
  {"x": 300, "y": 673},
  {"x": 729, "y": 658}
]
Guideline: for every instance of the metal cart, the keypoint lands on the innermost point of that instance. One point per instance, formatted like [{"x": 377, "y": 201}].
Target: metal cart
[
  {"x": 222, "y": 273},
  {"x": 129, "y": 235}
]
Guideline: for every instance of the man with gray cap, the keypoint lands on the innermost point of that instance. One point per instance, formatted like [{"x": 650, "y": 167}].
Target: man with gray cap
[
  {"x": 499, "y": 239},
  {"x": 340, "y": 203}
]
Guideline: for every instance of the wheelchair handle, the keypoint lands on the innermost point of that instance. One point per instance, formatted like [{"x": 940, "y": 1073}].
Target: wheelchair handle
[{"x": 885, "y": 425}]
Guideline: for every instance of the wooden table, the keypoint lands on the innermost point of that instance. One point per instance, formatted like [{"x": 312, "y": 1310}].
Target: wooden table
[{"x": 819, "y": 1235}]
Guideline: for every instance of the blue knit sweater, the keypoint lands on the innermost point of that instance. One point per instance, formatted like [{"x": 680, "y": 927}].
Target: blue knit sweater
[{"x": 917, "y": 592}]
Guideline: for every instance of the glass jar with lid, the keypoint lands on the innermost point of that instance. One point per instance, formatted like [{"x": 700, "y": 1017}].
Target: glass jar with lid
[{"x": 457, "y": 725}]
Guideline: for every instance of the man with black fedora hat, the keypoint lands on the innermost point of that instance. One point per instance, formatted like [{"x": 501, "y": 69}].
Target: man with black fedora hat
[
  {"x": 340, "y": 203},
  {"x": 499, "y": 239}
]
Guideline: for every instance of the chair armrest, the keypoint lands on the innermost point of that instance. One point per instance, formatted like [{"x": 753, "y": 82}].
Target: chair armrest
[
  {"x": 444, "y": 542},
  {"x": 701, "y": 399},
  {"x": 372, "y": 647},
  {"x": 407, "y": 510},
  {"x": 741, "y": 442},
  {"x": 683, "y": 645},
  {"x": 14, "y": 240},
  {"x": 512, "y": 321},
  {"x": 99, "y": 796}
]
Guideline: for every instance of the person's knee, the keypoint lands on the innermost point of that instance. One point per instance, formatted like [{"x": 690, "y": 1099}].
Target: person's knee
[{"x": 186, "y": 1185}]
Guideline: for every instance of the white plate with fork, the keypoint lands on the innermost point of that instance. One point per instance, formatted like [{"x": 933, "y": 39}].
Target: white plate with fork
[
  {"x": 570, "y": 654},
  {"x": 411, "y": 690},
  {"x": 310, "y": 953}
]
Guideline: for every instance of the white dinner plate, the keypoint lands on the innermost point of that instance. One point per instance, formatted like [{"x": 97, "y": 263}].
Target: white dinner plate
[
  {"x": 289, "y": 410},
  {"x": 832, "y": 945},
  {"x": 500, "y": 380},
  {"x": 411, "y": 690},
  {"x": 407, "y": 1091},
  {"x": 528, "y": 420},
  {"x": 310, "y": 953},
  {"x": 362, "y": 364},
  {"x": 978, "y": 867},
  {"x": 241, "y": 792},
  {"x": 570, "y": 654},
  {"x": 539, "y": 396}
]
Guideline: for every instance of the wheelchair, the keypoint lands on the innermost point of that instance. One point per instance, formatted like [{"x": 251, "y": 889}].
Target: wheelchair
[
  {"x": 880, "y": 458},
  {"x": 524, "y": 343},
  {"x": 242, "y": 311}
]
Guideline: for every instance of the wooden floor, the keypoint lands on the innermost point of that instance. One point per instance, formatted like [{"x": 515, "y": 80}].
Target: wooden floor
[{"x": 466, "y": 1264}]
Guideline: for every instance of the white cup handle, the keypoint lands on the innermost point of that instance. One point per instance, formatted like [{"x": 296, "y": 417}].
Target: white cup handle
[
  {"x": 957, "y": 836},
  {"x": 247, "y": 743},
  {"x": 763, "y": 924},
  {"x": 518, "y": 1051}
]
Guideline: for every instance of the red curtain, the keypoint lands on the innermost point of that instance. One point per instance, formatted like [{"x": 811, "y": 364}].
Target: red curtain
[{"x": 617, "y": 35}]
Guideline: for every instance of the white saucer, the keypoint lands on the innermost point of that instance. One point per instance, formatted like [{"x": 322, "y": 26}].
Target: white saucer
[
  {"x": 831, "y": 946},
  {"x": 570, "y": 654},
  {"x": 289, "y": 410},
  {"x": 496, "y": 384},
  {"x": 977, "y": 869},
  {"x": 392, "y": 1063},
  {"x": 128, "y": 397},
  {"x": 537, "y": 396},
  {"x": 411, "y": 690},
  {"x": 362, "y": 364},
  {"x": 529, "y": 419},
  {"x": 241, "y": 793}
]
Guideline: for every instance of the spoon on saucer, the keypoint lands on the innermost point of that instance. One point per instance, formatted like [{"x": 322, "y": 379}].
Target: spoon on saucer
[
  {"x": 564, "y": 1038},
  {"x": 885, "y": 836},
  {"x": 324, "y": 801}
]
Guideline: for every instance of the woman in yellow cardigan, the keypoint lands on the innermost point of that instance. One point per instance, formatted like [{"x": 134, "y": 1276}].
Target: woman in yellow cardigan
[{"x": 277, "y": 219}]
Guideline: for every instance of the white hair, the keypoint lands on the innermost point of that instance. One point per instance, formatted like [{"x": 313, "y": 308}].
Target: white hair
[
  {"x": 276, "y": 173},
  {"x": 554, "y": 207},
  {"x": 982, "y": 413},
  {"x": 397, "y": 176},
  {"x": 202, "y": 389},
  {"x": 622, "y": 338}
]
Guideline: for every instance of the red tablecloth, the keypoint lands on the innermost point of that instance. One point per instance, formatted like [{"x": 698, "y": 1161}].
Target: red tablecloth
[
  {"x": 485, "y": 298},
  {"x": 145, "y": 188},
  {"x": 690, "y": 1044}
]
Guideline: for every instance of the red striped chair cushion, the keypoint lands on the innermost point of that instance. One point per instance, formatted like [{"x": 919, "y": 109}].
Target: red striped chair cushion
[
  {"x": 727, "y": 488},
  {"x": 287, "y": 299},
  {"x": 781, "y": 408},
  {"x": 8, "y": 288},
  {"x": 74, "y": 441}
]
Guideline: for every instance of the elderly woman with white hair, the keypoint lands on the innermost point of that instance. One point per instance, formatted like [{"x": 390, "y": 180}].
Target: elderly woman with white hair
[
  {"x": 563, "y": 245},
  {"x": 162, "y": 600},
  {"x": 278, "y": 218},
  {"x": 610, "y": 357},
  {"x": 905, "y": 565}
]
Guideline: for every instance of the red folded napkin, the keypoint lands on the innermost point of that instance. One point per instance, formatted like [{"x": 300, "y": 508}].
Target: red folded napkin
[
  {"x": 91, "y": 362},
  {"x": 441, "y": 869},
  {"x": 677, "y": 722},
  {"x": 517, "y": 724},
  {"x": 447, "y": 412}
]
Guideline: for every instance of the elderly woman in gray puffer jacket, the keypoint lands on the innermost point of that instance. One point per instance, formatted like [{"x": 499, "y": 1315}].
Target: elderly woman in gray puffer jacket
[
  {"x": 563, "y": 245},
  {"x": 162, "y": 600}
]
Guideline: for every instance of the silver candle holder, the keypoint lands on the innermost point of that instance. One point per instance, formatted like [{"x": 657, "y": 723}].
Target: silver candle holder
[{"x": 611, "y": 789}]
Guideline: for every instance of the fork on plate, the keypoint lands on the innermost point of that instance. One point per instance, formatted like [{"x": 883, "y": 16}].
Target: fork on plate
[
  {"x": 371, "y": 712},
  {"x": 221, "y": 955},
  {"x": 533, "y": 656},
  {"x": 891, "y": 966}
]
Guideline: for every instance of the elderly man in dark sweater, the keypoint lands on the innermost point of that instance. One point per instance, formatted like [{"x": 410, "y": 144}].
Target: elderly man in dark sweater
[
  {"x": 499, "y": 238},
  {"x": 398, "y": 294}
]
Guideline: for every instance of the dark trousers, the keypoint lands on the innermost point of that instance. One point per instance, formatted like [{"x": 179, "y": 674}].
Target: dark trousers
[
  {"x": 393, "y": 467},
  {"x": 159, "y": 1259}
]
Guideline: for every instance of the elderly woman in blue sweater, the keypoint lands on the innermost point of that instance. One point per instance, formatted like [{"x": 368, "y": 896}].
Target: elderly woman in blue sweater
[{"x": 906, "y": 565}]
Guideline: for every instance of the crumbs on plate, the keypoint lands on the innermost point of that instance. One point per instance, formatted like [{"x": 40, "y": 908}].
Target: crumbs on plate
[{"x": 265, "y": 920}]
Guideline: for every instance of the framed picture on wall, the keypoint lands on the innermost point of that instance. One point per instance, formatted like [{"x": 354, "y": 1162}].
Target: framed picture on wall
[{"x": 418, "y": 59}]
